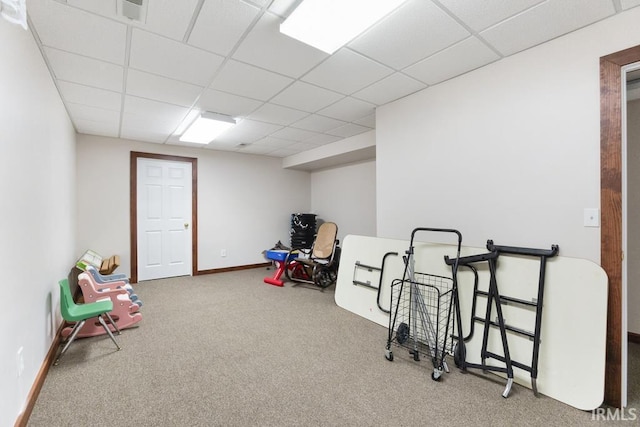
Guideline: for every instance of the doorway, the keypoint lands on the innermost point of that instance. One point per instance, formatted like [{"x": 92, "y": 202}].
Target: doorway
[
  {"x": 611, "y": 236},
  {"x": 162, "y": 247}
]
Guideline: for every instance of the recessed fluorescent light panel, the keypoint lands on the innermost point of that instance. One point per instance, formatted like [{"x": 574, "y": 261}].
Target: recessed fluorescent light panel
[
  {"x": 207, "y": 127},
  {"x": 330, "y": 24}
]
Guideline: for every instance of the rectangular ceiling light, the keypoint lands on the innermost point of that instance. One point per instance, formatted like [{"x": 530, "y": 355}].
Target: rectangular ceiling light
[
  {"x": 330, "y": 24},
  {"x": 207, "y": 127}
]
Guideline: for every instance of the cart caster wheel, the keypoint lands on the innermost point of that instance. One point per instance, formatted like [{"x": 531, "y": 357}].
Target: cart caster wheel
[
  {"x": 458, "y": 357},
  {"x": 402, "y": 334},
  {"x": 436, "y": 375},
  {"x": 388, "y": 354}
]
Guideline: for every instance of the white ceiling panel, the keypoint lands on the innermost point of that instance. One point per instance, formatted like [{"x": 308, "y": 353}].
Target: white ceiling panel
[
  {"x": 323, "y": 139},
  {"x": 544, "y": 22},
  {"x": 306, "y": 97},
  {"x": 267, "y": 48},
  {"x": 460, "y": 58},
  {"x": 294, "y": 134},
  {"x": 90, "y": 96},
  {"x": 150, "y": 86},
  {"x": 97, "y": 128},
  {"x": 317, "y": 123},
  {"x": 169, "y": 58},
  {"x": 94, "y": 114},
  {"x": 272, "y": 113},
  {"x": 419, "y": 26},
  {"x": 347, "y": 72},
  {"x": 101, "y": 7},
  {"x": 282, "y": 8},
  {"x": 229, "y": 57},
  {"x": 249, "y": 131},
  {"x": 169, "y": 17},
  {"x": 220, "y": 25},
  {"x": 87, "y": 71},
  {"x": 628, "y": 4},
  {"x": 247, "y": 80},
  {"x": 348, "y": 130},
  {"x": 482, "y": 14},
  {"x": 389, "y": 89},
  {"x": 78, "y": 31},
  {"x": 368, "y": 121},
  {"x": 348, "y": 109},
  {"x": 226, "y": 103}
]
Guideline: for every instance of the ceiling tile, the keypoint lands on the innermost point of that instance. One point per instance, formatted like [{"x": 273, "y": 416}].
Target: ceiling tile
[
  {"x": 323, "y": 139},
  {"x": 263, "y": 150},
  {"x": 306, "y": 97},
  {"x": 419, "y": 27},
  {"x": 479, "y": 15},
  {"x": 220, "y": 25},
  {"x": 169, "y": 17},
  {"x": 273, "y": 143},
  {"x": 368, "y": 121},
  {"x": 90, "y": 96},
  {"x": 389, "y": 89},
  {"x": 94, "y": 114},
  {"x": 87, "y": 71},
  {"x": 150, "y": 86},
  {"x": 169, "y": 58},
  {"x": 152, "y": 119},
  {"x": 97, "y": 128},
  {"x": 348, "y": 109},
  {"x": 347, "y": 72},
  {"x": 283, "y": 152},
  {"x": 101, "y": 7},
  {"x": 226, "y": 103},
  {"x": 267, "y": 48},
  {"x": 249, "y": 131},
  {"x": 78, "y": 31},
  {"x": 316, "y": 123},
  {"x": 294, "y": 134},
  {"x": 628, "y": 4},
  {"x": 546, "y": 21},
  {"x": 247, "y": 80},
  {"x": 283, "y": 8},
  {"x": 460, "y": 58},
  {"x": 272, "y": 113},
  {"x": 348, "y": 130}
]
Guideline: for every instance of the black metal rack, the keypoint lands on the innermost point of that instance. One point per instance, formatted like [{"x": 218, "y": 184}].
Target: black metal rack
[{"x": 495, "y": 299}]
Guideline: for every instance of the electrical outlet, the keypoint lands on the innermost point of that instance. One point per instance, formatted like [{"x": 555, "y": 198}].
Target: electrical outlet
[
  {"x": 223, "y": 252},
  {"x": 20, "y": 360}
]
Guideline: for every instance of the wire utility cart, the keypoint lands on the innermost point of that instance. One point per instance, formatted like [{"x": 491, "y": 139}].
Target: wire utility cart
[
  {"x": 421, "y": 309},
  {"x": 494, "y": 298}
]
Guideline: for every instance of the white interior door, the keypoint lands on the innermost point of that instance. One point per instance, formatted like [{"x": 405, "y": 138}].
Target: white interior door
[{"x": 163, "y": 218}]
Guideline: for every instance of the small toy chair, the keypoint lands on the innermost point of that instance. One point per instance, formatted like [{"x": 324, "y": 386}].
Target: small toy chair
[
  {"x": 321, "y": 266},
  {"x": 79, "y": 313}
]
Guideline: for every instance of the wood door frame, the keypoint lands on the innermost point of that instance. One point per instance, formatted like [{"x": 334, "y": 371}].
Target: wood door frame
[
  {"x": 133, "y": 207},
  {"x": 611, "y": 206}
]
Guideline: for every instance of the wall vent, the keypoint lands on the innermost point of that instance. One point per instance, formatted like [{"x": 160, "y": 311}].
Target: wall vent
[{"x": 135, "y": 10}]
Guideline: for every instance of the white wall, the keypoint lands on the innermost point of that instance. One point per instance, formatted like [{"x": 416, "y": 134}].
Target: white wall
[
  {"x": 633, "y": 218},
  {"x": 37, "y": 152},
  {"x": 346, "y": 195},
  {"x": 244, "y": 201},
  {"x": 509, "y": 152}
]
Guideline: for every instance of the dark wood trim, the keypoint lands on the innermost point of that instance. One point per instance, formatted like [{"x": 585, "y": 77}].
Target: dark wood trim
[
  {"x": 133, "y": 208},
  {"x": 611, "y": 207},
  {"x": 240, "y": 267},
  {"x": 23, "y": 418},
  {"x": 633, "y": 337}
]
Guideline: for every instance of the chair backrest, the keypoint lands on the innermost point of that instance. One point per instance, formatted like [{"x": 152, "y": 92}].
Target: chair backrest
[
  {"x": 66, "y": 299},
  {"x": 324, "y": 244}
]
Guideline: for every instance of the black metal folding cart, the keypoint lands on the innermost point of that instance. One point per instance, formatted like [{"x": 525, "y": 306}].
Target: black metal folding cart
[{"x": 421, "y": 309}]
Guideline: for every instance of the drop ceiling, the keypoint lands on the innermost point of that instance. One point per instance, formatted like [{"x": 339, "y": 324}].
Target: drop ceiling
[{"x": 142, "y": 80}]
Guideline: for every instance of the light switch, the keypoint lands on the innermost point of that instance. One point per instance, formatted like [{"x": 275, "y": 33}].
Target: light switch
[{"x": 591, "y": 217}]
